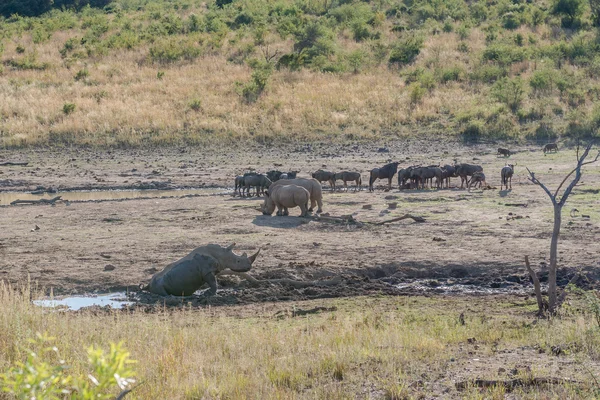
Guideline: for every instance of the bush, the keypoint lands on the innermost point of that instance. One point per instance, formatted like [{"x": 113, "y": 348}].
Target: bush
[
  {"x": 463, "y": 32},
  {"x": 356, "y": 60},
  {"x": 503, "y": 54},
  {"x": 35, "y": 378},
  {"x": 488, "y": 73},
  {"x": 511, "y": 20},
  {"x": 82, "y": 74},
  {"x": 406, "y": 50},
  {"x": 195, "y": 105},
  {"x": 570, "y": 10},
  {"x": 509, "y": 92},
  {"x": 261, "y": 72},
  {"x": 69, "y": 108},
  {"x": 451, "y": 74},
  {"x": 416, "y": 93},
  {"x": 542, "y": 81},
  {"x": 172, "y": 50},
  {"x": 360, "y": 31}
]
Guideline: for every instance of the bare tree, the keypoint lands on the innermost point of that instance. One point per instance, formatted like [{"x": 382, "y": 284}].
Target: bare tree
[{"x": 558, "y": 203}]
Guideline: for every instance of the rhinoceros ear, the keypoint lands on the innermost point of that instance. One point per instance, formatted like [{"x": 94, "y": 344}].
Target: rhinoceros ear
[
  {"x": 253, "y": 257},
  {"x": 231, "y": 246}
]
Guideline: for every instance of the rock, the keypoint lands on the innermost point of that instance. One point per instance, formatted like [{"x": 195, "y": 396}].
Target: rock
[
  {"x": 109, "y": 267},
  {"x": 392, "y": 206},
  {"x": 513, "y": 278},
  {"x": 383, "y": 150},
  {"x": 367, "y": 206},
  {"x": 460, "y": 273}
]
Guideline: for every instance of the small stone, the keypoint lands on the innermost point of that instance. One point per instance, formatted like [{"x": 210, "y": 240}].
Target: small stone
[{"x": 109, "y": 267}]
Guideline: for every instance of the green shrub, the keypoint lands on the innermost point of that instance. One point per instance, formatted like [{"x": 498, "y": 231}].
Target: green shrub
[
  {"x": 360, "y": 31},
  {"x": 195, "y": 105},
  {"x": 463, "y": 32},
  {"x": 35, "y": 378},
  {"x": 315, "y": 39},
  {"x": 509, "y": 92},
  {"x": 82, "y": 74},
  {"x": 570, "y": 10},
  {"x": 68, "y": 108},
  {"x": 463, "y": 47},
  {"x": 356, "y": 60},
  {"x": 448, "y": 27},
  {"x": 451, "y": 74},
  {"x": 542, "y": 81},
  {"x": 416, "y": 93},
  {"x": 28, "y": 62},
  {"x": 503, "y": 54},
  {"x": 172, "y": 50},
  {"x": 473, "y": 131},
  {"x": 20, "y": 49},
  {"x": 488, "y": 73},
  {"x": 405, "y": 50},
  {"x": 261, "y": 72},
  {"x": 511, "y": 20}
]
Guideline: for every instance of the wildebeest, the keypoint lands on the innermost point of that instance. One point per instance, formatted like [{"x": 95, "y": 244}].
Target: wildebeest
[
  {"x": 448, "y": 171},
  {"x": 325, "y": 176},
  {"x": 312, "y": 185},
  {"x": 504, "y": 152},
  {"x": 259, "y": 181},
  {"x": 404, "y": 176},
  {"x": 275, "y": 175},
  {"x": 239, "y": 182},
  {"x": 550, "y": 146},
  {"x": 387, "y": 171},
  {"x": 284, "y": 197},
  {"x": 284, "y": 176},
  {"x": 478, "y": 177},
  {"x": 466, "y": 170},
  {"x": 506, "y": 176},
  {"x": 348, "y": 176}
]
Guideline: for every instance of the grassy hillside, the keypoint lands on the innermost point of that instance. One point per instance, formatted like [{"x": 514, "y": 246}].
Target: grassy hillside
[{"x": 188, "y": 71}]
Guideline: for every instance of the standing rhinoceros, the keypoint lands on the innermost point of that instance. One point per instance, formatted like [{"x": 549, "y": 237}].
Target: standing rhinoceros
[
  {"x": 185, "y": 276},
  {"x": 284, "y": 197},
  {"x": 312, "y": 185}
]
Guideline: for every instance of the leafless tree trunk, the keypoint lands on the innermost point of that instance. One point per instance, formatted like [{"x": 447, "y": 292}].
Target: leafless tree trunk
[{"x": 558, "y": 205}]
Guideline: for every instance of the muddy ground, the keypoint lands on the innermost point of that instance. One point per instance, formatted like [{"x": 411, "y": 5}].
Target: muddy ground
[{"x": 472, "y": 241}]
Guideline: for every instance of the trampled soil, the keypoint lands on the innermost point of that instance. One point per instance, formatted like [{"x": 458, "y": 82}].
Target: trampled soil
[{"x": 472, "y": 241}]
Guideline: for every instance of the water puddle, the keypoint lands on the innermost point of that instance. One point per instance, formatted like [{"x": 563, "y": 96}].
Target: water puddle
[
  {"x": 115, "y": 300},
  {"x": 99, "y": 195}
]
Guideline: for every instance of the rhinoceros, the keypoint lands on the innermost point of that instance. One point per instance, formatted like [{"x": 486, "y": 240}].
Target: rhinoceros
[
  {"x": 312, "y": 185},
  {"x": 284, "y": 197},
  {"x": 185, "y": 276}
]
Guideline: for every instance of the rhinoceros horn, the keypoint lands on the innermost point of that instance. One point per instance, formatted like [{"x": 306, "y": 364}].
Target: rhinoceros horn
[
  {"x": 231, "y": 246},
  {"x": 253, "y": 257}
]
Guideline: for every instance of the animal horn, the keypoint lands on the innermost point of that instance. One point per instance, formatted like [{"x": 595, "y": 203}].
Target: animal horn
[
  {"x": 253, "y": 257},
  {"x": 231, "y": 246}
]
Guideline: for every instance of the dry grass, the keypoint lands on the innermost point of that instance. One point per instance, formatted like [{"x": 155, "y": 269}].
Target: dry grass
[
  {"x": 369, "y": 348},
  {"x": 123, "y": 102}
]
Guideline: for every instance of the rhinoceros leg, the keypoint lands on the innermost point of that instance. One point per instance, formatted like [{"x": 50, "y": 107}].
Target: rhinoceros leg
[
  {"x": 285, "y": 211},
  {"x": 211, "y": 280}
]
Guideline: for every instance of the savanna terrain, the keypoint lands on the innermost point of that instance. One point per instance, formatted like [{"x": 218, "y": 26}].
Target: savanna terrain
[{"x": 379, "y": 337}]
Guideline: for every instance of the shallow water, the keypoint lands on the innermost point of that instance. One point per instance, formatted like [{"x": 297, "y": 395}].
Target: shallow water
[
  {"x": 422, "y": 286},
  {"x": 92, "y": 195},
  {"x": 115, "y": 300}
]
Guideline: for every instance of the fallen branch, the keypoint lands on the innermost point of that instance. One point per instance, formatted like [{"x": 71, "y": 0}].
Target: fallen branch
[
  {"x": 536, "y": 287},
  {"x": 300, "y": 312},
  {"x": 405, "y": 216},
  {"x": 10, "y": 163},
  {"x": 563, "y": 294},
  {"x": 40, "y": 201},
  {"x": 513, "y": 383},
  {"x": 516, "y": 204}
]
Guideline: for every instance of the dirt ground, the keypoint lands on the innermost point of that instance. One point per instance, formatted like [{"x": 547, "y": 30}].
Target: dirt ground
[{"x": 471, "y": 240}]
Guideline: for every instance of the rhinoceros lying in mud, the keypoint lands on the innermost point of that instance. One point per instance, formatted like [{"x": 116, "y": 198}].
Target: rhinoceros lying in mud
[
  {"x": 184, "y": 277},
  {"x": 284, "y": 197},
  {"x": 312, "y": 185}
]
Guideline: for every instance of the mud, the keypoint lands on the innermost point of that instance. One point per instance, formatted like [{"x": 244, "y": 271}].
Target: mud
[{"x": 473, "y": 242}]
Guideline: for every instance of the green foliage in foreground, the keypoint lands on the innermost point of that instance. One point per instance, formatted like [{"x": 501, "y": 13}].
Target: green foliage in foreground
[{"x": 36, "y": 378}]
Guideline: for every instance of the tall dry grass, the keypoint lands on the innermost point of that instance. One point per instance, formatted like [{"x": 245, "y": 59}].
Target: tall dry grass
[
  {"x": 368, "y": 347},
  {"x": 123, "y": 101}
]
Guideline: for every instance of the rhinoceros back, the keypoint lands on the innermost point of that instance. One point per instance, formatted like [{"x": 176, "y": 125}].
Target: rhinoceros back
[{"x": 187, "y": 276}]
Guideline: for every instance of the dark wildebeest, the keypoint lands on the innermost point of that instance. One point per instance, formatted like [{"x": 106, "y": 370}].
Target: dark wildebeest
[
  {"x": 465, "y": 171},
  {"x": 503, "y": 152},
  {"x": 325, "y": 176},
  {"x": 239, "y": 182},
  {"x": 387, "y": 171},
  {"x": 550, "y": 147},
  {"x": 347, "y": 176},
  {"x": 404, "y": 176},
  {"x": 448, "y": 171},
  {"x": 426, "y": 174},
  {"x": 478, "y": 177},
  {"x": 259, "y": 181},
  {"x": 506, "y": 176},
  {"x": 275, "y": 175}
]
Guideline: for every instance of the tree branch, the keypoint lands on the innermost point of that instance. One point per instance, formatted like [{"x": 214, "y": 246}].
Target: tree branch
[
  {"x": 536, "y": 181},
  {"x": 580, "y": 162}
]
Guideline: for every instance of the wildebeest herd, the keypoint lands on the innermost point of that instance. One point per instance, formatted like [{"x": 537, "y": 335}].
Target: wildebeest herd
[{"x": 283, "y": 190}]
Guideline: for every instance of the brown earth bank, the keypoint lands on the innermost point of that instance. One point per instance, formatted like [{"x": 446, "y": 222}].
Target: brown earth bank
[{"x": 473, "y": 241}]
